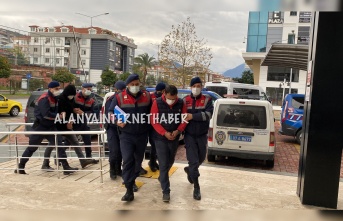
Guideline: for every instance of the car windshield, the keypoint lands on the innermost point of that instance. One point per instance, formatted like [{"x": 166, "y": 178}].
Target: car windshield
[
  {"x": 242, "y": 116},
  {"x": 218, "y": 89},
  {"x": 298, "y": 102}
]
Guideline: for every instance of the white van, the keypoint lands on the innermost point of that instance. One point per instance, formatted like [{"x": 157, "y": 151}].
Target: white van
[
  {"x": 225, "y": 89},
  {"x": 242, "y": 128}
]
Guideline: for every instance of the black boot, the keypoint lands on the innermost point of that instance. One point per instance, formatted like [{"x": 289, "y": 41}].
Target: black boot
[
  {"x": 186, "y": 169},
  {"x": 21, "y": 168},
  {"x": 113, "y": 174},
  {"x": 134, "y": 187},
  {"x": 196, "y": 191},
  {"x": 67, "y": 168},
  {"x": 46, "y": 166},
  {"x": 129, "y": 196},
  {"x": 85, "y": 162},
  {"x": 142, "y": 171},
  {"x": 93, "y": 160},
  {"x": 153, "y": 165}
]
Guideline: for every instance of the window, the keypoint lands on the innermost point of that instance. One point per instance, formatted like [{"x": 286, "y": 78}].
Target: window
[
  {"x": 275, "y": 94},
  {"x": 92, "y": 31},
  {"x": 57, "y": 60},
  {"x": 64, "y": 29},
  {"x": 298, "y": 102},
  {"x": 303, "y": 35},
  {"x": 35, "y": 60},
  {"x": 279, "y": 73},
  {"x": 57, "y": 50},
  {"x": 291, "y": 38},
  {"x": 83, "y": 62},
  {"x": 51, "y": 30},
  {"x": 47, "y": 50},
  {"x": 41, "y": 29},
  {"x": 219, "y": 90},
  {"x": 2, "y": 98},
  {"x": 35, "y": 40},
  {"x": 33, "y": 29},
  {"x": 35, "y": 49},
  {"x": 58, "y": 41},
  {"x": 66, "y": 61},
  {"x": 47, "y": 40},
  {"x": 83, "y": 41},
  {"x": 293, "y": 13},
  {"x": 83, "y": 51},
  {"x": 242, "y": 116},
  {"x": 47, "y": 60}
]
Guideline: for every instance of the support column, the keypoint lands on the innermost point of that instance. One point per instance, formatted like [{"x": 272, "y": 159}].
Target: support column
[
  {"x": 256, "y": 68},
  {"x": 322, "y": 141}
]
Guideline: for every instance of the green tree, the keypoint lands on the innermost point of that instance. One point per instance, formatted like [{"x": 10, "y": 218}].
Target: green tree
[
  {"x": 35, "y": 83},
  {"x": 5, "y": 67},
  {"x": 62, "y": 75},
  {"x": 246, "y": 78},
  {"x": 124, "y": 76},
  {"x": 150, "y": 80},
  {"x": 108, "y": 77},
  {"x": 183, "y": 53},
  {"x": 144, "y": 61}
]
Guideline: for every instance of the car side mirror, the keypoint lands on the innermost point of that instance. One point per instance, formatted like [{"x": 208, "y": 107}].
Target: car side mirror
[{"x": 6, "y": 99}]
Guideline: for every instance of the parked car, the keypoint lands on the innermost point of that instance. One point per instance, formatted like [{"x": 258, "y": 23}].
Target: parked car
[
  {"x": 242, "y": 128},
  {"x": 11, "y": 107},
  {"x": 292, "y": 112},
  {"x": 29, "y": 112}
]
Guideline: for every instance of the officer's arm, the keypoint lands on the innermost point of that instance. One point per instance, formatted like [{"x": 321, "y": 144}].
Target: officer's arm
[
  {"x": 113, "y": 105},
  {"x": 44, "y": 108},
  {"x": 206, "y": 114},
  {"x": 183, "y": 125},
  {"x": 155, "y": 121}
]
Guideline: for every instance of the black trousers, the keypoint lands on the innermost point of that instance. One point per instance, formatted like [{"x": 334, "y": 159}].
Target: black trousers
[
  {"x": 166, "y": 151},
  {"x": 87, "y": 139},
  {"x": 115, "y": 157},
  {"x": 196, "y": 153}
]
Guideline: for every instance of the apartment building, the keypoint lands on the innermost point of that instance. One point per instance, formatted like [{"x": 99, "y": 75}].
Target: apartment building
[{"x": 84, "y": 51}]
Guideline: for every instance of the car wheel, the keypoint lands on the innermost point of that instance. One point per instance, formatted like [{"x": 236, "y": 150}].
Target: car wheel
[
  {"x": 299, "y": 136},
  {"x": 211, "y": 158},
  {"x": 14, "y": 111},
  {"x": 270, "y": 163}
]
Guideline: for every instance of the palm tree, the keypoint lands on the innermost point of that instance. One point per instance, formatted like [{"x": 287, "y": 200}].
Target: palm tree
[{"x": 144, "y": 61}]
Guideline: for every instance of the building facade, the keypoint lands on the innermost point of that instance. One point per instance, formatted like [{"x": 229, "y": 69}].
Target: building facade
[
  {"x": 86, "y": 52},
  {"x": 266, "y": 28}
]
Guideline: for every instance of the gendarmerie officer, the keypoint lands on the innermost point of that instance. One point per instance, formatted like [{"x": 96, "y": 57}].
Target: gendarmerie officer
[
  {"x": 199, "y": 109},
  {"x": 134, "y": 132},
  {"x": 46, "y": 111},
  {"x": 115, "y": 158},
  {"x": 166, "y": 119},
  {"x": 84, "y": 105}
]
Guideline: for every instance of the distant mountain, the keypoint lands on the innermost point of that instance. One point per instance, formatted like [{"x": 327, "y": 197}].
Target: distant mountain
[{"x": 235, "y": 72}]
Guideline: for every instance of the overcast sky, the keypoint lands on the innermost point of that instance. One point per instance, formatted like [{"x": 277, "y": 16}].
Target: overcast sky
[{"x": 221, "y": 23}]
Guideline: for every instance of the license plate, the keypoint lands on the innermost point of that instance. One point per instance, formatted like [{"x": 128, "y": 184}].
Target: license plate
[{"x": 240, "y": 138}]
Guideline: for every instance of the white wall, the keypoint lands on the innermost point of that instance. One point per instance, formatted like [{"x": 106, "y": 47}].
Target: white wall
[{"x": 95, "y": 76}]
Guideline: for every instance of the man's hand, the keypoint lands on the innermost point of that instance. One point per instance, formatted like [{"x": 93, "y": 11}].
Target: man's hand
[
  {"x": 62, "y": 115},
  {"x": 70, "y": 125},
  {"x": 78, "y": 111},
  {"x": 121, "y": 124},
  {"x": 175, "y": 133},
  {"x": 189, "y": 117},
  {"x": 169, "y": 136}
]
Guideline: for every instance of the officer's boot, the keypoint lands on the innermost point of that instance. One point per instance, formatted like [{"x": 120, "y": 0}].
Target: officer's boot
[
  {"x": 153, "y": 164},
  {"x": 67, "y": 168},
  {"x": 117, "y": 169},
  {"x": 129, "y": 196},
  {"x": 186, "y": 169},
  {"x": 21, "y": 168},
  {"x": 85, "y": 162},
  {"x": 46, "y": 166},
  {"x": 196, "y": 191},
  {"x": 113, "y": 174}
]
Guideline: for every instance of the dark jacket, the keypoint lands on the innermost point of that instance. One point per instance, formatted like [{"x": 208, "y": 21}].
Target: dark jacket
[
  {"x": 66, "y": 105},
  {"x": 46, "y": 110},
  {"x": 201, "y": 108},
  {"x": 133, "y": 105},
  {"x": 86, "y": 104}
]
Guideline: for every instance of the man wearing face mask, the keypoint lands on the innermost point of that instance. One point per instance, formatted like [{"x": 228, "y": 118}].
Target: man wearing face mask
[
  {"x": 113, "y": 141},
  {"x": 166, "y": 133},
  {"x": 160, "y": 87},
  {"x": 133, "y": 135},
  {"x": 84, "y": 105},
  {"x": 199, "y": 109},
  {"x": 46, "y": 110},
  {"x": 66, "y": 105}
]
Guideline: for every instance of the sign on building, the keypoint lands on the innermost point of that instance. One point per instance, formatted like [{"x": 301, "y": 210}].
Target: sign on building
[
  {"x": 305, "y": 17},
  {"x": 276, "y": 18}
]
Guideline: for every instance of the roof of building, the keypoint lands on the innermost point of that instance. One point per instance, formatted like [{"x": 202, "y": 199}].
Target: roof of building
[{"x": 287, "y": 55}]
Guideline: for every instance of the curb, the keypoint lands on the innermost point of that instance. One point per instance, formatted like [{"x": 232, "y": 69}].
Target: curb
[{"x": 5, "y": 138}]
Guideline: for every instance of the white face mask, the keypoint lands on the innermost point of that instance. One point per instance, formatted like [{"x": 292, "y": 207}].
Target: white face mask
[
  {"x": 70, "y": 97},
  {"x": 87, "y": 92},
  {"x": 57, "y": 93},
  {"x": 170, "y": 102},
  {"x": 196, "y": 91},
  {"x": 134, "y": 89}
]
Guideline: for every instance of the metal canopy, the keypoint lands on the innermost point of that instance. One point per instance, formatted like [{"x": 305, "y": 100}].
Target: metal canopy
[{"x": 287, "y": 55}]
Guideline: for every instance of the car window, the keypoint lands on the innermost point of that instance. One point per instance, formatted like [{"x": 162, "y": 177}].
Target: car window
[
  {"x": 219, "y": 90},
  {"x": 2, "y": 98},
  {"x": 242, "y": 116},
  {"x": 298, "y": 102},
  {"x": 33, "y": 100}
]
